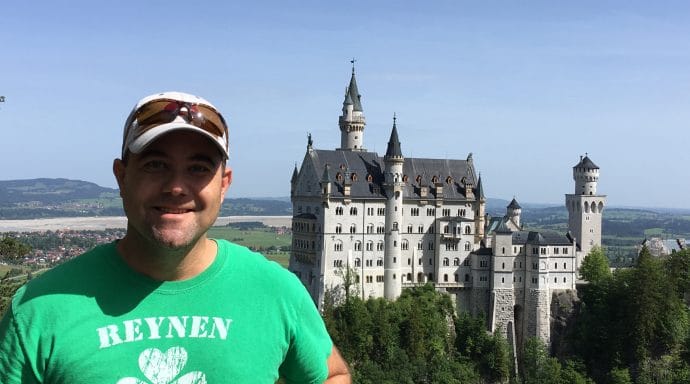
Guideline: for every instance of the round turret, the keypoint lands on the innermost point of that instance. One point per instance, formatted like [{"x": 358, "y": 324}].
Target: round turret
[{"x": 586, "y": 175}]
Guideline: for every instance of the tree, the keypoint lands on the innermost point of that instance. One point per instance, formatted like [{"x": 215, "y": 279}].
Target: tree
[
  {"x": 595, "y": 266},
  {"x": 12, "y": 249},
  {"x": 538, "y": 367}
]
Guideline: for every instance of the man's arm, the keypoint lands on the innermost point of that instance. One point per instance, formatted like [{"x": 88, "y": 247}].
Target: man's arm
[{"x": 338, "y": 373}]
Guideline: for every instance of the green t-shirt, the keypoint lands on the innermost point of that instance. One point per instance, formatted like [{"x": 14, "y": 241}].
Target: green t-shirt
[{"x": 94, "y": 320}]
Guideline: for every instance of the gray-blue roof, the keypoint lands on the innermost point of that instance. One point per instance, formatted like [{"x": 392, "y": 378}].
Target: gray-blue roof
[{"x": 450, "y": 173}]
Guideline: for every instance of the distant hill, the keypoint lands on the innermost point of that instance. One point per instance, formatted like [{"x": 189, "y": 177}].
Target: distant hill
[
  {"x": 47, "y": 198},
  {"x": 50, "y": 191}
]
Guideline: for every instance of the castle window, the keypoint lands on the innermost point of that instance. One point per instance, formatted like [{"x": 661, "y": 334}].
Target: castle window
[
  {"x": 564, "y": 266},
  {"x": 467, "y": 262},
  {"x": 358, "y": 246},
  {"x": 456, "y": 262},
  {"x": 338, "y": 228},
  {"x": 468, "y": 230},
  {"x": 380, "y": 229},
  {"x": 420, "y": 246},
  {"x": 370, "y": 178},
  {"x": 381, "y": 211},
  {"x": 379, "y": 262},
  {"x": 369, "y": 263},
  {"x": 431, "y": 246},
  {"x": 369, "y": 279},
  {"x": 503, "y": 279},
  {"x": 370, "y": 228},
  {"x": 414, "y": 212},
  {"x": 337, "y": 263},
  {"x": 405, "y": 245},
  {"x": 434, "y": 179},
  {"x": 370, "y": 246},
  {"x": 353, "y": 228},
  {"x": 457, "y": 278},
  {"x": 449, "y": 180},
  {"x": 338, "y": 246},
  {"x": 379, "y": 278},
  {"x": 379, "y": 246},
  {"x": 445, "y": 277},
  {"x": 420, "y": 277},
  {"x": 358, "y": 262},
  {"x": 446, "y": 211},
  {"x": 446, "y": 229},
  {"x": 370, "y": 211},
  {"x": 339, "y": 176},
  {"x": 467, "y": 277},
  {"x": 418, "y": 179},
  {"x": 503, "y": 250},
  {"x": 420, "y": 229},
  {"x": 395, "y": 226},
  {"x": 446, "y": 262},
  {"x": 353, "y": 211},
  {"x": 409, "y": 277},
  {"x": 353, "y": 177},
  {"x": 339, "y": 211},
  {"x": 405, "y": 179},
  {"x": 431, "y": 276},
  {"x": 565, "y": 251},
  {"x": 409, "y": 228},
  {"x": 468, "y": 247}
]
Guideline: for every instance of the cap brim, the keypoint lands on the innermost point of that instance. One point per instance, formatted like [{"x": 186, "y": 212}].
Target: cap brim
[{"x": 148, "y": 137}]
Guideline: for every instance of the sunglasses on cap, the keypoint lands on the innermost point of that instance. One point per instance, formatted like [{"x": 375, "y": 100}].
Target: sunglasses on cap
[{"x": 162, "y": 111}]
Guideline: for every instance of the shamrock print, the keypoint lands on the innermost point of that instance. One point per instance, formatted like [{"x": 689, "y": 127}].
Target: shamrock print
[{"x": 163, "y": 368}]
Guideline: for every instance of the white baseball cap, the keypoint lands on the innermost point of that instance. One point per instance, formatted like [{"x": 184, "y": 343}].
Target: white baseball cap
[{"x": 165, "y": 112}]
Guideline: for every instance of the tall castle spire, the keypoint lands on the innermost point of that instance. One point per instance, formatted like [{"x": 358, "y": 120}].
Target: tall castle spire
[
  {"x": 352, "y": 120},
  {"x": 393, "y": 184}
]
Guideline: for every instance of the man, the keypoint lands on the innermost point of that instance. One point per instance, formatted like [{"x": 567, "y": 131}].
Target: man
[{"x": 165, "y": 304}]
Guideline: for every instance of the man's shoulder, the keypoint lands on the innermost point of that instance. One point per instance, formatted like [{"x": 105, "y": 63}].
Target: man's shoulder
[
  {"x": 70, "y": 277},
  {"x": 250, "y": 263}
]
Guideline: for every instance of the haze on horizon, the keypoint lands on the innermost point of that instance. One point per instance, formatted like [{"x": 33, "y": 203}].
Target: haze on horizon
[{"x": 527, "y": 88}]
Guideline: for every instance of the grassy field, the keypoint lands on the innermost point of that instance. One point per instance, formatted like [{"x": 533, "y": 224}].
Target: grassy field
[{"x": 265, "y": 240}]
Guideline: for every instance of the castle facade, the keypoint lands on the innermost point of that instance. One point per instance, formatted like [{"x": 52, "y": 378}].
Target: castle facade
[{"x": 380, "y": 224}]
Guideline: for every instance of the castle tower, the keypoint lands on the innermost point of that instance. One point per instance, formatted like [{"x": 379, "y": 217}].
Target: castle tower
[
  {"x": 352, "y": 120},
  {"x": 393, "y": 184},
  {"x": 513, "y": 211},
  {"x": 585, "y": 207},
  {"x": 480, "y": 216}
]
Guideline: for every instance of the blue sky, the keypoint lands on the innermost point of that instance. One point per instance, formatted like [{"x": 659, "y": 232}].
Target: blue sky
[{"x": 526, "y": 87}]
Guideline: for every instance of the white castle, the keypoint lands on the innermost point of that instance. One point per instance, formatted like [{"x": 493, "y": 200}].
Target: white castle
[{"x": 399, "y": 222}]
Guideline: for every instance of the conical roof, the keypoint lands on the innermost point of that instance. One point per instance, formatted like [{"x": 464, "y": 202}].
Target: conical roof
[{"x": 393, "y": 149}]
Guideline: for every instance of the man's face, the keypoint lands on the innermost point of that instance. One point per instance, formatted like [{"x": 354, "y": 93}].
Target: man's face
[{"x": 172, "y": 191}]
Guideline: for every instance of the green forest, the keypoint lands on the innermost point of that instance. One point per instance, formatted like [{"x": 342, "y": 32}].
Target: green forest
[{"x": 631, "y": 326}]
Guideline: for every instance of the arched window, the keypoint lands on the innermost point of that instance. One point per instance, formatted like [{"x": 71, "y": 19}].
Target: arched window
[
  {"x": 446, "y": 262},
  {"x": 358, "y": 246},
  {"x": 353, "y": 228},
  {"x": 338, "y": 228},
  {"x": 468, "y": 247},
  {"x": 468, "y": 230},
  {"x": 358, "y": 262},
  {"x": 456, "y": 262}
]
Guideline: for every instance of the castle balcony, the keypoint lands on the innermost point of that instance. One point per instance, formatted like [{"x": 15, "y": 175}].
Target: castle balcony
[{"x": 451, "y": 236}]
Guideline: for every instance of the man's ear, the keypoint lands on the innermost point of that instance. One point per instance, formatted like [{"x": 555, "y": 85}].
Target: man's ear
[
  {"x": 226, "y": 180},
  {"x": 119, "y": 169}
]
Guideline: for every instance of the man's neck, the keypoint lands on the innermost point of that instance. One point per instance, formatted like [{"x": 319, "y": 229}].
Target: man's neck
[{"x": 165, "y": 264}]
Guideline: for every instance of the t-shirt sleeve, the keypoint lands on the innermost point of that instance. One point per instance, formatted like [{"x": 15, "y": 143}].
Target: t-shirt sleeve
[
  {"x": 13, "y": 366},
  {"x": 310, "y": 346}
]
